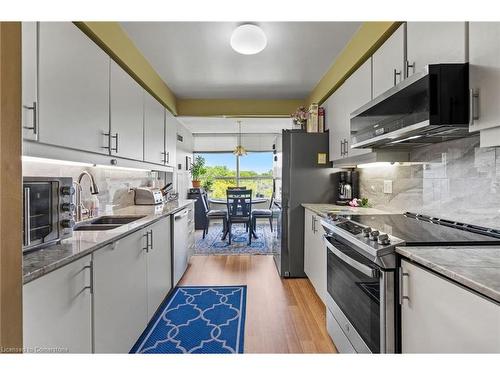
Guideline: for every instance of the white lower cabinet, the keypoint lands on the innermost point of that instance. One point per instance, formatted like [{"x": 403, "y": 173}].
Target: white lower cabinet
[
  {"x": 120, "y": 294},
  {"x": 57, "y": 310},
  {"x": 439, "y": 316},
  {"x": 159, "y": 265},
  {"x": 315, "y": 253}
]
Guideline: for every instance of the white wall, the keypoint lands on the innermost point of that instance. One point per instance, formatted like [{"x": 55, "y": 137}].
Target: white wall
[
  {"x": 182, "y": 181},
  {"x": 227, "y": 142}
]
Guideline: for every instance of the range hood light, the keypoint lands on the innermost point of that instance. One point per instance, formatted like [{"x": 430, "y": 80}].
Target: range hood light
[
  {"x": 380, "y": 164},
  {"x": 35, "y": 159}
]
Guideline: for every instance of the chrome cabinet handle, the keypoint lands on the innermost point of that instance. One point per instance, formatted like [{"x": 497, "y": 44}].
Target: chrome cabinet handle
[
  {"x": 91, "y": 269},
  {"x": 27, "y": 218},
  {"x": 168, "y": 157},
  {"x": 34, "y": 126},
  {"x": 147, "y": 242},
  {"x": 364, "y": 269},
  {"x": 401, "y": 296},
  {"x": 151, "y": 244},
  {"x": 115, "y": 149},
  {"x": 397, "y": 73},
  {"x": 108, "y": 147},
  {"x": 408, "y": 66},
  {"x": 164, "y": 157},
  {"x": 473, "y": 106}
]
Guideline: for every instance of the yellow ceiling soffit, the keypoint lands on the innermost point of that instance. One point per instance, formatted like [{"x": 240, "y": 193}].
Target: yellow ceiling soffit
[
  {"x": 112, "y": 38},
  {"x": 238, "y": 107},
  {"x": 367, "y": 39}
]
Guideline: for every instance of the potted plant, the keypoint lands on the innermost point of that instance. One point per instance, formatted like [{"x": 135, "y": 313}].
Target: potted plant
[
  {"x": 197, "y": 170},
  {"x": 300, "y": 117}
]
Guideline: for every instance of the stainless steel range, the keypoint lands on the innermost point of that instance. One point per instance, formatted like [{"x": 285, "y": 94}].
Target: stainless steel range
[{"x": 363, "y": 276}]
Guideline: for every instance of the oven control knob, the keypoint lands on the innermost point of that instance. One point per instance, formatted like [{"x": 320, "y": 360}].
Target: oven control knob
[
  {"x": 67, "y": 207},
  {"x": 67, "y": 190},
  {"x": 384, "y": 239},
  {"x": 367, "y": 231},
  {"x": 67, "y": 223},
  {"x": 374, "y": 235}
]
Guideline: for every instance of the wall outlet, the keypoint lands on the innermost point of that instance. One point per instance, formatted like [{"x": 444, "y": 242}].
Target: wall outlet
[{"x": 387, "y": 186}]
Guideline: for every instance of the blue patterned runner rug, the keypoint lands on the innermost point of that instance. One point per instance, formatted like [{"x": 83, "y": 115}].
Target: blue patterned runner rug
[{"x": 197, "y": 319}]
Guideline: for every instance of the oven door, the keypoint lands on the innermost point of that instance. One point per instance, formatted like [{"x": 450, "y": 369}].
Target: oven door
[
  {"x": 354, "y": 297},
  {"x": 40, "y": 213}
]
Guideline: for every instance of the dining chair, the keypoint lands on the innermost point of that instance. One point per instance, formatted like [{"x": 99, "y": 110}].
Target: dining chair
[
  {"x": 237, "y": 188},
  {"x": 239, "y": 210},
  {"x": 263, "y": 213},
  {"x": 213, "y": 214}
]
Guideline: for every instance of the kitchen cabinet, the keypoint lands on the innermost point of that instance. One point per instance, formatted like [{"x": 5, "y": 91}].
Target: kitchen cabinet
[
  {"x": 354, "y": 93},
  {"x": 154, "y": 131},
  {"x": 440, "y": 316},
  {"x": 120, "y": 294},
  {"x": 73, "y": 88},
  {"x": 170, "y": 138},
  {"x": 57, "y": 310},
  {"x": 159, "y": 266},
  {"x": 388, "y": 62},
  {"x": 484, "y": 76},
  {"x": 126, "y": 115},
  {"x": 434, "y": 43},
  {"x": 29, "y": 41},
  {"x": 315, "y": 253}
]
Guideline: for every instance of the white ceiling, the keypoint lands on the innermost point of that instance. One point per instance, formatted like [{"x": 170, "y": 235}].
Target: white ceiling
[
  {"x": 211, "y": 125},
  {"x": 196, "y": 60}
]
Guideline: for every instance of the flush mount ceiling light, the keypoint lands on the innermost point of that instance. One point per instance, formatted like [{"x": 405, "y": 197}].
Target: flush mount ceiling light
[{"x": 248, "y": 39}]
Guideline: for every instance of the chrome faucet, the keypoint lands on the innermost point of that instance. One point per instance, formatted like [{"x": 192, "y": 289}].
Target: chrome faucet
[{"x": 94, "y": 189}]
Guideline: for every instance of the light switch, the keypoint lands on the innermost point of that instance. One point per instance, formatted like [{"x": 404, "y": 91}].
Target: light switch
[{"x": 387, "y": 186}]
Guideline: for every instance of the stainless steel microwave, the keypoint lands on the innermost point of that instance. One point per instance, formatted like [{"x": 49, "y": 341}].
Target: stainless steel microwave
[{"x": 48, "y": 210}]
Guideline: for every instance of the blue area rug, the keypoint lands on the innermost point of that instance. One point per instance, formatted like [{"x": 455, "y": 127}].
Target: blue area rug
[
  {"x": 197, "y": 319},
  {"x": 213, "y": 244}
]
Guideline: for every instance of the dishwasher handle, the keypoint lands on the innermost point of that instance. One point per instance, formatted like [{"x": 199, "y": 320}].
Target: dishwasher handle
[{"x": 180, "y": 215}]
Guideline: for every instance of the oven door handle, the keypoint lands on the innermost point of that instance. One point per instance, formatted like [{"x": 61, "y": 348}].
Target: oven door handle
[
  {"x": 364, "y": 269},
  {"x": 27, "y": 218}
]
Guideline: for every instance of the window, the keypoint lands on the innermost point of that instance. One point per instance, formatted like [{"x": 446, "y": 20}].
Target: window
[{"x": 226, "y": 170}]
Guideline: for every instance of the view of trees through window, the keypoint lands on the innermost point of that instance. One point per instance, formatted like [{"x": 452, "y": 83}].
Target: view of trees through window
[{"x": 255, "y": 173}]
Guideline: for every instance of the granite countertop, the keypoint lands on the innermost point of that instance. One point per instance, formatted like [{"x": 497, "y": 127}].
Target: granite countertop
[
  {"x": 322, "y": 209},
  {"x": 40, "y": 262},
  {"x": 477, "y": 268}
]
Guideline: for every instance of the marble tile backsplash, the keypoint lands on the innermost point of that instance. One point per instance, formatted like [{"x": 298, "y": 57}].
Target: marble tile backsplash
[
  {"x": 457, "y": 180},
  {"x": 114, "y": 184}
]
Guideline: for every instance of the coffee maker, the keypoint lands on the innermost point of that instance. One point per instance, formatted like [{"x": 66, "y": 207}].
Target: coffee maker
[{"x": 348, "y": 186}]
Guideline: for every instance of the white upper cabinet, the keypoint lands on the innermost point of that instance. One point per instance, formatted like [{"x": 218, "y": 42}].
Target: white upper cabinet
[
  {"x": 354, "y": 93},
  {"x": 154, "y": 131},
  {"x": 484, "y": 70},
  {"x": 170, "y": 137},
  {"x": 388, "y": 62},
  {"x": 73, "y": 88},
  {"x": 29, "y": 80},
  {"x": 127, "y": 115},
  {"x": 434, "y": 43}
]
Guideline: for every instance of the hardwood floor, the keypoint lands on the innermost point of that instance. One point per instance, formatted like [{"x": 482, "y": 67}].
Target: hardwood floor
[{"x": 282, "y": 316}]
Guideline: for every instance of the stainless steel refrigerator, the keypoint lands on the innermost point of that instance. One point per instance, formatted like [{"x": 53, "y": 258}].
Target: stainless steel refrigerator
[{"x": 304, "y": 179}]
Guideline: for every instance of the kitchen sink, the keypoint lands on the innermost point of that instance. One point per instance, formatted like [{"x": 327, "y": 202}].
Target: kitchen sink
[
  {"x": 94, "y": 227},
  {"x": 119, "y": 220},
  {"x": 106, "y": 223}
]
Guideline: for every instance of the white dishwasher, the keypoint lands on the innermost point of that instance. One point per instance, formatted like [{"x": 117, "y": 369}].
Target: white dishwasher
[{"x": 180, "y": 241}]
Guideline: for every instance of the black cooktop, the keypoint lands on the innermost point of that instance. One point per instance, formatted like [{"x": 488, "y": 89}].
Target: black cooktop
[{"x": 417, "y": 229}]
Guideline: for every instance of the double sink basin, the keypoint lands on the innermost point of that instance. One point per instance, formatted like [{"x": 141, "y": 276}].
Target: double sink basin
[{"x": 106, "y": 222}]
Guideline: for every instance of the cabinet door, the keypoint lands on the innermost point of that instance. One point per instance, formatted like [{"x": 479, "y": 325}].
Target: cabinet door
[
  {"x": 127, "y": 115},
  {"x": 57, "y": 310},
  {"x": 171, "y": 138},
  {"x": 159, "y": 264},
  {"x": 334, "y": 119},
  {"x": 356, "y": 93},
  {"x": 29, "y": 79},
  {"x": 180, "y": 251},
  {"x": 314, "y": 253},
  {"x": 308, "y": 244},
  {"x": 440, "y": 316},
  {"x": 73, "y": 88},
  {"x": 435, "y": 43},
  {"x": 388, "y": 63},
  {"x": 484, "y": 73},
  {"x": 120, "y": 294},
  {"x": 154, "y": 130}
]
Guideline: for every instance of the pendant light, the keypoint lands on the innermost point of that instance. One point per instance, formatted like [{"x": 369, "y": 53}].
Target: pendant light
[{"x": 239, "y": 150}]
